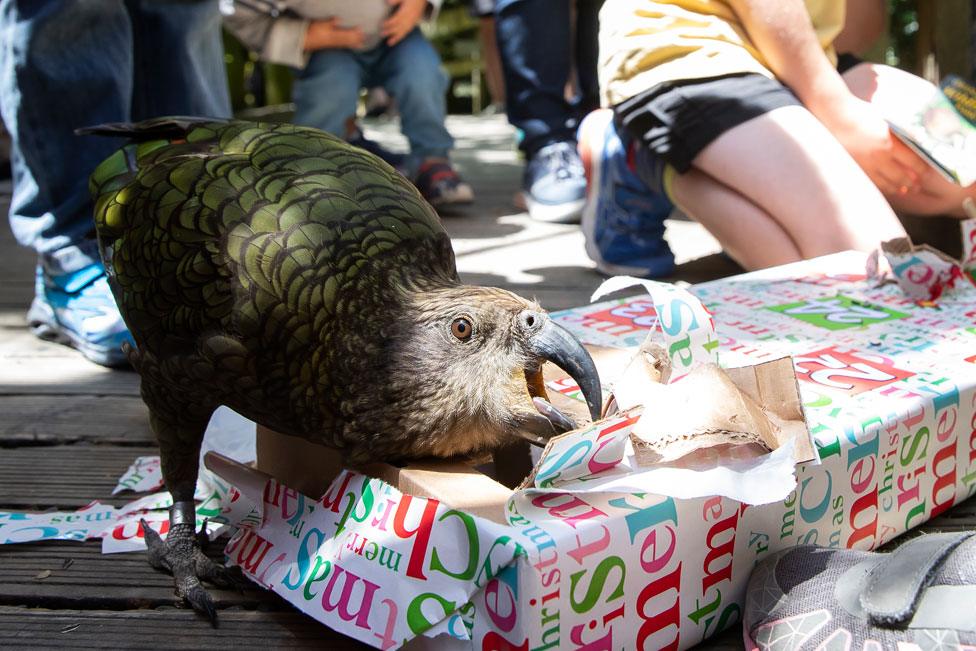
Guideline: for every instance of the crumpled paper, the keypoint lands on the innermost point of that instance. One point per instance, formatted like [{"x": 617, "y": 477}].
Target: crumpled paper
[
  {"x": 925, "y": 273},
  {"x": 145, "y": 474}
]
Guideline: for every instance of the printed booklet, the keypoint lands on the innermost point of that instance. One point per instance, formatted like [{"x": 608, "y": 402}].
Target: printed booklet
[{"x": 943, "y": 130}]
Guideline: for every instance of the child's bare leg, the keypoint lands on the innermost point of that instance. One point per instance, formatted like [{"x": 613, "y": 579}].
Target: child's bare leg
[
  {"x": 747, "y": 233},
  {"x": 890, "y": 89},
  {"x": 789, "y": 165}
]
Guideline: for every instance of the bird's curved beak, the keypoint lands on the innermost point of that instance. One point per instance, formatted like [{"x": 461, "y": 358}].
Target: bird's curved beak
[{"x": 553, "y": 343}]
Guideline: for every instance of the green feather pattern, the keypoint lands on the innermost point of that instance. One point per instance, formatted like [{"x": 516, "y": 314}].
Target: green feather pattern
[{"x": 255, "y": 263}]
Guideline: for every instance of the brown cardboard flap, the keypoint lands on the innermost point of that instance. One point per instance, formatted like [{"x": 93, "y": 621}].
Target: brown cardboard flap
[
  {"x": 249, "y": 481},
  {"x": 712, "y": 406},
  {"x": 454, "y": 483},
  {"x": 307, "y": 467},
  {"x": 310, "y": 468},
  {"x": 773, "y": 385}
]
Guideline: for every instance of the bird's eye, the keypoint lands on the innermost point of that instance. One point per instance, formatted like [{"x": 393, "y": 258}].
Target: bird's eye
[{"x": 461, "y": 328}]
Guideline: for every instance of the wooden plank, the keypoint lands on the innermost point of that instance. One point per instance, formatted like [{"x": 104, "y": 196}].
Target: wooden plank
[
  {"x": 16, "y": 293},
  {"x": 11, "y": 317},
  {"x": 121, "y": 420},
  {"x": 31, "y": 366},
  {"x": 65, "y": 476},
  {"x": 165, "y": 628},
  {"x": 78, "y": 575}
]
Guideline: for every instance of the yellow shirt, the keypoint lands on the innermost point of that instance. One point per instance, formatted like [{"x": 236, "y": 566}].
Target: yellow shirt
[{"x": 645, "y": 42}]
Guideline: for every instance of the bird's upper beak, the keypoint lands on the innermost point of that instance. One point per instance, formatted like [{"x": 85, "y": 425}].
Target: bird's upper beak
[{"x": 549, "y": 341}]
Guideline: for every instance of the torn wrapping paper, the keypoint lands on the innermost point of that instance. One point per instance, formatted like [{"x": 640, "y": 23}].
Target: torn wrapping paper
[
  {"x": 614, "y": 455},
  {"x": 87, "y": 522},
  {"x": 686, "y": 327},
  {"x": 145, "y": 474},
  {"x": 369, "y": 561},
  {"x": 120, "y": 528},
  {"x": 602, "y": 458},
  {"x": 695, "y": 431},
  {"x": 925, "y": 273},
  {"x": 218, "y": 505}
]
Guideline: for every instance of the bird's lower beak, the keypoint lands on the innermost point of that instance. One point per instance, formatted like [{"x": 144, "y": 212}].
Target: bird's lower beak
[{"x": 555, "y": 344}]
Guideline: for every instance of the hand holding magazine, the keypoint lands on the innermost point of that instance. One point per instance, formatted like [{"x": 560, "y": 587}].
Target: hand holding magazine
[{"x": 942, "y": 130}]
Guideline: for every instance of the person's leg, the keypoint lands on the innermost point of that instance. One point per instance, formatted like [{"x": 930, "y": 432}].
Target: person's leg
[
  {"x": 411, "y": 73},
  {"x": 750, "y": 235},
  {"x": 64, "y": 65},
  {"x": 327, "y": 90},
  {"x": 586, "y": 53},
  {"x": 179, "y": 59},
  {"x": 803, "y": 179},
  {"x": 890, "y": 89},
  {"x": 493, "y": 62},
  {"x": 536, "y": 70}
]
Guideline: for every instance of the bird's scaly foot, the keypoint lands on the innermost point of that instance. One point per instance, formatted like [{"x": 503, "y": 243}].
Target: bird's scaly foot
[{"x": 181, "y": 555}]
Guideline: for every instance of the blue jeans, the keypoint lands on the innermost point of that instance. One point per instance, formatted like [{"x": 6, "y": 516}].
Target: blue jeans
[
  {"x": 66, "y": 64},
  {"x": 536, "y": 69},
  {"x": 327, "y": 90}
]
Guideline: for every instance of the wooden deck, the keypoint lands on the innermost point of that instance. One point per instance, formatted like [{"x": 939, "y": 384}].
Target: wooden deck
[{"x": 69, "y": 429}]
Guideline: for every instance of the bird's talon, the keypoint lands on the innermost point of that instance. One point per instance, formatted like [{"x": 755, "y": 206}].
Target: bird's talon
[
  {"x": 201, "y": 601},
  {"x": 180, "y": 554},
  {"x": 203, "y": 538}
]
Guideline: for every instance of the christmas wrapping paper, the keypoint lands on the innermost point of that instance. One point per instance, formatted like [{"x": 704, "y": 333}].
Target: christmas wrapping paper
[{"x": 888, "y": 388}]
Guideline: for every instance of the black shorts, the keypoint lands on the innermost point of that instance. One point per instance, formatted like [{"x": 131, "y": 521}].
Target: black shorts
[{"x": 678, "y": 120}]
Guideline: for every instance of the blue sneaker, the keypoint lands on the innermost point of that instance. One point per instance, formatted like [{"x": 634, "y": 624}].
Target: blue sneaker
[
  {"x": 623, "y": 219},
  {"x": 77, "y": 309},
  {"x": 554, "y": 184}
]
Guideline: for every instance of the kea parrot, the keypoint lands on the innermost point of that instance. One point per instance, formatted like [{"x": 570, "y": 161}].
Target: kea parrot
[{"x": 307, "y": 285}]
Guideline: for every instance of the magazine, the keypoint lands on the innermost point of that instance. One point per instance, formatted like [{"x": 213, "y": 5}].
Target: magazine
[{"x": 943, "y": 130}]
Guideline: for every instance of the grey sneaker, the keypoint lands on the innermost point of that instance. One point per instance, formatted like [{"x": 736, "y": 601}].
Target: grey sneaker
[
  {"x": 921, "y": 596},
  {"x": 555, "y": 184}
]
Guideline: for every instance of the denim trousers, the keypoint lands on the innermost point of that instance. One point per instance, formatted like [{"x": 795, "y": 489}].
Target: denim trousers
[
  {"x": 66, "y": 64},
  {"x": 537, "y": 50},
  {"x": 326, "y": 91}
]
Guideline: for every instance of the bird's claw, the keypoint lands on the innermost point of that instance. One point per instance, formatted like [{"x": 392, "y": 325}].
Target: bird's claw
[{"x": 182, "y": 556}]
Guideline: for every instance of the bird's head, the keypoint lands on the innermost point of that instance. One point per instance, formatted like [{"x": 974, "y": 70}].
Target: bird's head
[{"x": 465, "y": 371}]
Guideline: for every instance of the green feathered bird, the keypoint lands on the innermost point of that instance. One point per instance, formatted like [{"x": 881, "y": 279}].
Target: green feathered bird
[{"x": 307, "y": 285}]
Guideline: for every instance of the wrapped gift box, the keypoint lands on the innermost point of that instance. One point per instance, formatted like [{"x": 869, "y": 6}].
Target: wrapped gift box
[{"x": 572, "y": 559}]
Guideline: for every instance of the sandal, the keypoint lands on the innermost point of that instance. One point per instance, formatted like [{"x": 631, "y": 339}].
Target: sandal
[{"x": 920, "y": 596}]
